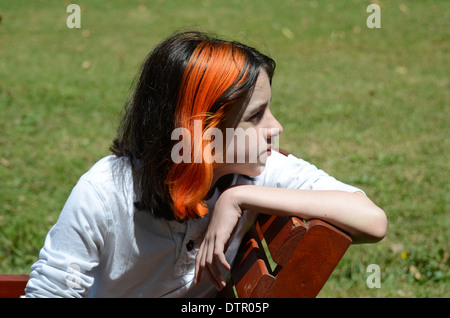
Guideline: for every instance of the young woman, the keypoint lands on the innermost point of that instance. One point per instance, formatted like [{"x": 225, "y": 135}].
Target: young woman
[{"x": 165, "y": 214}]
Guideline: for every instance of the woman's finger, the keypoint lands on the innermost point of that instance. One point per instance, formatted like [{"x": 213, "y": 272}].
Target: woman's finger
[
  {"x": 200, "y": 262},
  {"x": 220, "y": 254},
  {"x": 216, "y": 284}
]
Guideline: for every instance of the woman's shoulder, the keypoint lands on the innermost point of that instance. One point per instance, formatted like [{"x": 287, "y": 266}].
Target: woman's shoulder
[
  {"x": 107, "y": 169},
  {"x": 109, "y": 176},
  {"x": 286, "y": 170},
  {"x": 289, "y": 171},
  {"x": 279, "y": 166},
  {"x": 281, "y": 162}
]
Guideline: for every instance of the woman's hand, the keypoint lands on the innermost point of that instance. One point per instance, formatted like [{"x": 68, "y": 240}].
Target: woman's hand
[{"x": 211, "y": 254}]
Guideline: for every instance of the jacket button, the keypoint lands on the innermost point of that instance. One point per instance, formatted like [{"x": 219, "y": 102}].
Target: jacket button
[{"x": 190, "y": 245}]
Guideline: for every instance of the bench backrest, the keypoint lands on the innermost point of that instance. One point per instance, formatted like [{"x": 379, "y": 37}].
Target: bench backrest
[{"x": 283, "y": 257}]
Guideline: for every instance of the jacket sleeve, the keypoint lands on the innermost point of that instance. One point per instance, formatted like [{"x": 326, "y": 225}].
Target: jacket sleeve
[{"x": 71, "y": 250}]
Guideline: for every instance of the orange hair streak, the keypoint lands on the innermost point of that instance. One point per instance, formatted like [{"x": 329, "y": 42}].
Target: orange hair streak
[{"x": 212, "y": 69}]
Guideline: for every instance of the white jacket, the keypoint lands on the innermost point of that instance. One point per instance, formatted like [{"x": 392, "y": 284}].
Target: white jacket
[{"x": 101, "y": 246}]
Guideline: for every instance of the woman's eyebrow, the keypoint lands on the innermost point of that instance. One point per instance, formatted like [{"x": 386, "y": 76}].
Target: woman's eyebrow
[
  {"x": 255, "y": 108},
  {"x": 259, "y": 105}
]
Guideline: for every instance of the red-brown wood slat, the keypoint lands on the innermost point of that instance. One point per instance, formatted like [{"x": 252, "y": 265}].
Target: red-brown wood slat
[
  {"x": 251, "y": 274},
  {"x": 13, "y": 286},
  {"x": 282, "y": 235},
  {"x": 312, "y": 262}
]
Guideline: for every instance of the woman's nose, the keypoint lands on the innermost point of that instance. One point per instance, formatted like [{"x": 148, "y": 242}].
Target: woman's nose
[{"x": 274, "y": 128}]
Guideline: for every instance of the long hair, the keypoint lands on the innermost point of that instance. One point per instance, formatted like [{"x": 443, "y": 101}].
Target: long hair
[{"x": 189, "y": 76}]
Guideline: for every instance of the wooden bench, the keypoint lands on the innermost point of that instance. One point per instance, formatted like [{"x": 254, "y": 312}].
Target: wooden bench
[
  {"x": 12, "y": 286},
  {"x": 284, "y": 257}
]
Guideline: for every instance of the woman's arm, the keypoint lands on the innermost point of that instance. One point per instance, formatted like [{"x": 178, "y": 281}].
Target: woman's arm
[
  {"x": 354, "y": 213},
  {"x": 71, "y": 249}
]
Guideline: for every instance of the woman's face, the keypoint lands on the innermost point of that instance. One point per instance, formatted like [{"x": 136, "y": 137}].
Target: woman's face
[{"x": 248, "y": 143}]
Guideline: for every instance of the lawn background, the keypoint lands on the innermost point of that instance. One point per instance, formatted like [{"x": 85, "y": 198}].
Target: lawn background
[{"x": 369, "y": 106}]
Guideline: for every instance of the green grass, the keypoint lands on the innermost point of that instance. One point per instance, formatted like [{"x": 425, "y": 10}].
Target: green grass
[{"x": 369, "y": 106}]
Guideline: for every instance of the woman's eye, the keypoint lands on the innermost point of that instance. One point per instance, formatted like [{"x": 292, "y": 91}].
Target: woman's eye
[{"x": 255, "y": 117}]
